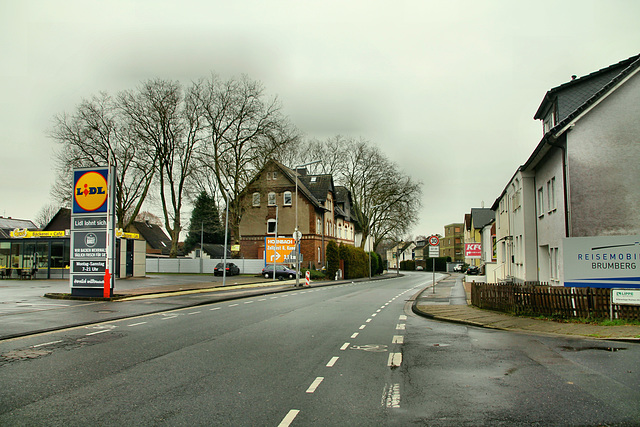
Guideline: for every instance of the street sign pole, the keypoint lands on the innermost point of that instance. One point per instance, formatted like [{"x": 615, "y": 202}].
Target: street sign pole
[
  {"x": 434, "y": 252},
  {"x": 275, "y": 247}
]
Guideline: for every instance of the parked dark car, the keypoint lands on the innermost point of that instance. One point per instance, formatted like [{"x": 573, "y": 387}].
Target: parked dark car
[
  {"x": 473, "y": 270},
  {"x": 231, "y": 269},
  {"x": 282, "y": 272}
]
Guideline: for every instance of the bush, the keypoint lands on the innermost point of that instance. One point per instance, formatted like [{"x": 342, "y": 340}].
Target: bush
[
  {"x": 408, "y": 265},
  {"x": 355, "y": 260},
  {"x": 314, "y": 274},
  {"x": 333, "y": 259}
]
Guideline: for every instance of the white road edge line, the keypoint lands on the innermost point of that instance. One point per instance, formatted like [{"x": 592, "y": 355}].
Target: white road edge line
[
  {"x": 137, "y": 324},
  {"x": 98, "y": 332},
  {"x": 46, "y": 343},
  {"x": 214, "y": 308},
  {"x": 314, "y": 385},
  {"x": 288, "y": 419}
]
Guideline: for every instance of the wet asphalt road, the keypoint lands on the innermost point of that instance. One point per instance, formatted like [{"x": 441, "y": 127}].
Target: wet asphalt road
[{"x": 352, "y": 354}]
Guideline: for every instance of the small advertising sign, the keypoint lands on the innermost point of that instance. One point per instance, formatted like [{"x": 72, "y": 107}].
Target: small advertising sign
[
  {"x": 284, "y": 252},
  {"x": 473, "y": 250},
  {"x": 625, "y": 296},
  {"x": 602, "y": 261}
]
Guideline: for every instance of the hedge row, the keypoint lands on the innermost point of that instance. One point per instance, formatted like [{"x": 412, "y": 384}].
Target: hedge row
[{"x": 355, "y": 260}]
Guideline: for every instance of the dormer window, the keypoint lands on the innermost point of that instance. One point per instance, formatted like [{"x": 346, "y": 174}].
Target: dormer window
[{"x": 550, "y": 120}]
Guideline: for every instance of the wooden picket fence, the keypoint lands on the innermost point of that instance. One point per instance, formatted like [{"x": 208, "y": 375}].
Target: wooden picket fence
[{"x": 542, "y": 299}]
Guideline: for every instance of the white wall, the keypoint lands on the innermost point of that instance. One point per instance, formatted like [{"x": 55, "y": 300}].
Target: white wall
[
  {"x": 550, "y": 222},
  {"x": 192, "y": 266}
]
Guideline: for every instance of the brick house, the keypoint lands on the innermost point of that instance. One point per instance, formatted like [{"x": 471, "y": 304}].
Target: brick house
[{"x": 324, "y": 212}]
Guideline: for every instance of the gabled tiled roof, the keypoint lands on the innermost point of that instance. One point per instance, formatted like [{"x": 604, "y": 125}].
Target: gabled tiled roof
[
  {"x": 60, "y": 222},
  {"x": 153, "y": 234},
  {"x": 302, "y": 188},
  {"x": 482, "y": 217},
  {"x": 614, "y": 74},
  {"x": 318, "y": 185},
  {"x": 7, "y": 225},
  {"x": 571, "y": 95}
]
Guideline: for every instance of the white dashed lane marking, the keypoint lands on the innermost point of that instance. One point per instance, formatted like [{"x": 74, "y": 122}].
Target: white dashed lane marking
[
  {"x": 288, "y": 419},
  {"x": 314, "y": 385},
  {"x": 332, "y": 361}
]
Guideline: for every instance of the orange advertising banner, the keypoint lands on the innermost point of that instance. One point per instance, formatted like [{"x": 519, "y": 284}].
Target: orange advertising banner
[{"x": 284, "y": 251}]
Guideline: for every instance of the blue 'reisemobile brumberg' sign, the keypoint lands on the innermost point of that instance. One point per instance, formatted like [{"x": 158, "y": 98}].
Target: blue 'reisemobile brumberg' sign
[{"x": 602, "y": 262}]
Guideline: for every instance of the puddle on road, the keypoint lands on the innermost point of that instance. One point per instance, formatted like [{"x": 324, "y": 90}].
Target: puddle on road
[{"x": 610, "y": 349}]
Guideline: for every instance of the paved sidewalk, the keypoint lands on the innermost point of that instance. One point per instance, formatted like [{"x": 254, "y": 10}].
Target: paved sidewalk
[{"x": 437, "y": 306}]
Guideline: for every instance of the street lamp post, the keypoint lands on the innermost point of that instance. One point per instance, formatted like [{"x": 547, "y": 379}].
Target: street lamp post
[
  {"x": 369, "y": 237},
  {"x": 297, "y": 235},
  {"x": 226, "y": 234}
]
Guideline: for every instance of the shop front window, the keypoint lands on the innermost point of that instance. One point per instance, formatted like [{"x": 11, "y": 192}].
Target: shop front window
[
  {"x": 16, "y": 255},
  {"x": 5, "y": 254}
]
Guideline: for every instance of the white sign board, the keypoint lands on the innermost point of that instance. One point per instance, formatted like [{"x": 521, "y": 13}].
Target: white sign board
[
  {"x": 434, "y": 251},
  {"x": 625, "y": 296},
  {"x": 602, "y": 262}
]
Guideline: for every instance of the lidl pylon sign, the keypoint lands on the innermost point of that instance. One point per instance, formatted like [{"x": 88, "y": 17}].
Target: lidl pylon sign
[
  {"x": 93, "y": 232},
  {"x": 90, "y": 191}
]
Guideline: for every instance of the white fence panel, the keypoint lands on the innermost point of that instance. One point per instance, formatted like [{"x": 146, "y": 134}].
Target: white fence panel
[{"x": 192, "y": 266}]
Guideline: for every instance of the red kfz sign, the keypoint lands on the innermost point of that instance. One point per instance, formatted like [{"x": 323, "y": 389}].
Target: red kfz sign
[{"x": 473, "y": 250}]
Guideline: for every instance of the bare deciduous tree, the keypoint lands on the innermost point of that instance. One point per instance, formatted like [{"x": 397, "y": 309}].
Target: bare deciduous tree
[
  {"x": 91, "y": 137},
  {"x": 385, "y": 199},
  {"x": 46, "y": 214},
  {"x": 169, "y": 120},
  {"x": 244, "y": 130}
]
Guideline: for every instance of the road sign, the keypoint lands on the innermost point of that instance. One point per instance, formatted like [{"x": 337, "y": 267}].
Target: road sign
[
  {"x": 284, "y": 252},
  {"x": 434, "y": 251},
  {"x": 434, "y": 241},
  {"x": 297, "y": 235}
]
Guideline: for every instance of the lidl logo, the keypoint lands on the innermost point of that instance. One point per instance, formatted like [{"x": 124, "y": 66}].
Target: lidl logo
[{"x": 90, "y": 191}]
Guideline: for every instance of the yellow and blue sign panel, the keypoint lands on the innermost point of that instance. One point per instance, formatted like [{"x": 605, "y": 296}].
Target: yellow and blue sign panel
[{"x": 90, "y": 191}]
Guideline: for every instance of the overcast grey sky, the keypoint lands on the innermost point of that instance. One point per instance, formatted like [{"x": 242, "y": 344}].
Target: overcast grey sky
[{"x": 447, "y": 89}]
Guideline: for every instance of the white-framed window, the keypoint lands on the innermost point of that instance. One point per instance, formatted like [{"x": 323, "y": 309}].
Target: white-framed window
[
  {"x": 271, "y": 199},
  {"x": 256, "y": 199},
  {"x": 271, "y": 226},
  {"x": 553, "y": 263},
  {"x": 275, "y": 175},
  {"x": 318, "y": 226},
  {"x": 319, "y": 253},
  {"x": 287, "y": 198},
  {"x": 551, "y": 194},
  {"x": 540, "y": 206}
]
